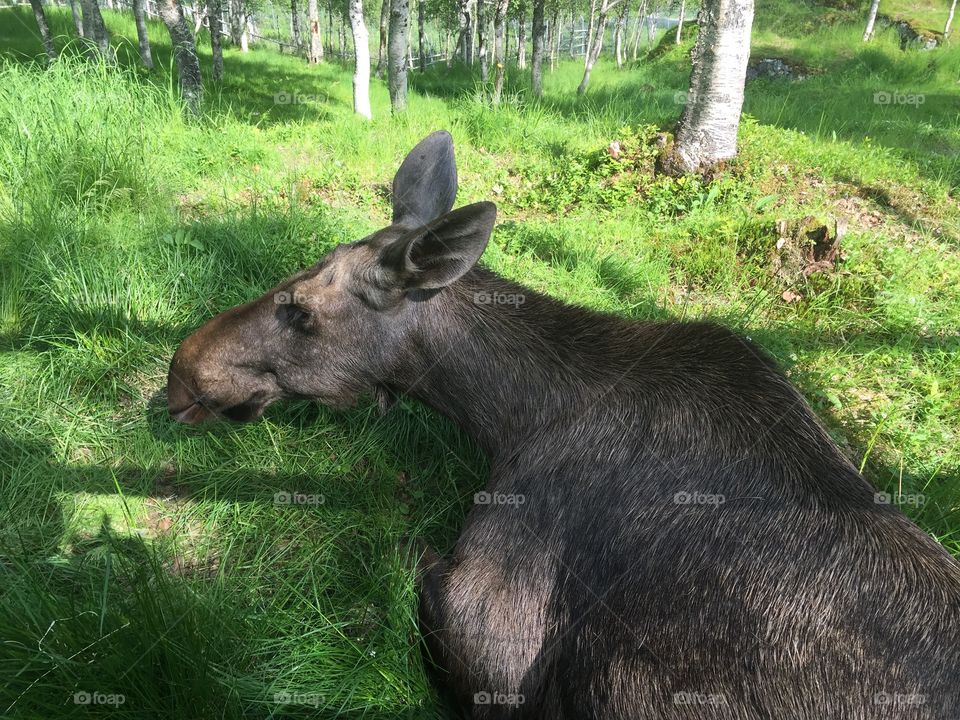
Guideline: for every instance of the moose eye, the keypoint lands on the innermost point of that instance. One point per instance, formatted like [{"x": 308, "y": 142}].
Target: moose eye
[{"x": 298, "y": 317}]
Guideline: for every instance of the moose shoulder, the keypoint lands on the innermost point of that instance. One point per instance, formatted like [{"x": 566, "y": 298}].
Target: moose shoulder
[{"x": 668, "y": 531}]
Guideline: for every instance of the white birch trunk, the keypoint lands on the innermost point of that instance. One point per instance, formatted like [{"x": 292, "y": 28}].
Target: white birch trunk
[{"x": 361, "y": 54}]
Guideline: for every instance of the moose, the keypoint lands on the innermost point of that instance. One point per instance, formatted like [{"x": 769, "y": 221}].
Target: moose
[{"x": 668, "y": 530}]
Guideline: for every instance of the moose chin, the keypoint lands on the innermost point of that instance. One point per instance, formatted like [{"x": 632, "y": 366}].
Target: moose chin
[{"x": 667, "y": 532}]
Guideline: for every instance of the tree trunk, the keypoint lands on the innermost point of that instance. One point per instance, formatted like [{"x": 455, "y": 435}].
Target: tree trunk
[
  {"x": 184, "y": 52},
  {"x": 641, "y": 12},
  {"x": 536, "y": 65},
  {"x": 143, "y": 39},
  {"x": 707, "y": 132},
  {"x": 341, "y": 39},
  {"x": 554, "y": 39},
  {"x": 44, "y": 28},
  {"x": 77, "y": 20},
  {"x": 589, "y": 39},
  {"x": 946, "y": 27},
  {"x": 595, "y": 44},
  {"x": 683, "y": 7},
  {"x": 361, "y": 54},
  {"x": 522, "y": 41},
  {"x": 382, "y": 49},
  {"x": 397, "y": 53},
  {"x": 465, "y": 36},
  {"x": 316, "y": 43},
  {"x": 94, "y": 29},
  {"x": 245, "y": 35},
  {"x": 482, "y": 43},
  {"x": 295, "y": 24},
  {"x": 618, "y": 32},
  {"x": 573, "y": 28},
  {"x": 499, "y": 48},
  {"x": 871, "y": 20},
  {"x": 214, "y": 11},
  {"x": 422, "y": 34}
]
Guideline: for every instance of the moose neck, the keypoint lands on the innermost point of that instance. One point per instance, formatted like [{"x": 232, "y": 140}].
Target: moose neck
[{"x": 504, "y": 362}]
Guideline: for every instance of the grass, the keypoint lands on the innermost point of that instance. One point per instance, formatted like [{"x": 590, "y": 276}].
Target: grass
[{"x": 153, "y": 561}]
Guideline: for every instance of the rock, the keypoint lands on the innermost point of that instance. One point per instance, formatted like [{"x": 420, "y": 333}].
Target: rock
[{"x": 776, "y": 68}]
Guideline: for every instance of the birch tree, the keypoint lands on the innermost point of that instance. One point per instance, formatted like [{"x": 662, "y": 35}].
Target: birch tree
[
  {"x": 316, "y": 42},
  {"x": 522, "y": 39},
  {"x": 499, "y": 48},
  {"x": 946, "y": 27},
  {"x": 707, "y": 132},
  {"x": 295, "y": 24},
  {"x": 143, "y": 40},
  {"x": 619, "y": 30},
  {"x": 41, "y": 17},
  {"x": 382, "y": 48},
  {"x": 361, "y": 56},
  {"x": 94, "y": 29},
  {"x": 482, "y": 43},
  {"x": 683, "y": 7},
  {"x": 216, "y": 48},
  {"x": 596, "y": 44},
  {"x": 184, "y": 52},
  {"x": 871, "y": 20},
  {"x": 77, "y": 19},
  {"x": 422, "y": 34},
  {"x": 536, "y": 61},
  {"x": 397, "y": 53}
]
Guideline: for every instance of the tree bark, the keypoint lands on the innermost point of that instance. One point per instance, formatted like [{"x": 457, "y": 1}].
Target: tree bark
[
  {"x": 94, "y": 28},
  {"x": 316, "y": 43},
  {"x": 361, "y": 54},
  {"x": 707, "y": 132},
  {"x": 382, "y": 48},
  {"x": 143, "y": 40},
  {"x": 397, "y": 53},
  {"x": 595, "y": 44},
  {"x": 946, "y": 27},
  {"x": 214, "y": 11},
  {"x": 184, "y": 52},
  {"x": 465, "y": 36},
  {"x": 589, "y": 38},
  {"x": 641, "y": 12},
  {"x": 554, "y": 39},
  {"x": 77, "y": 19},
  {"x": 871, "y": 20},
  {"x": 499, "y": 48},
  {"x": 44, "y": 28},
  {"x": 536, "y": 64},
  {"x": 618, "y": 32},
  {"x": 482, "y": 43},
  {"x": 683, "y": 7},
  {"x": 422, "y": 34},
  {"x": 295, "y": 24},
  {"x": 522, "y": 41}
]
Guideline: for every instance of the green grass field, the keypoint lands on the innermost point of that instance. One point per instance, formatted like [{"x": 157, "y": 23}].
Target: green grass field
[{"x": 154, "y": 561}]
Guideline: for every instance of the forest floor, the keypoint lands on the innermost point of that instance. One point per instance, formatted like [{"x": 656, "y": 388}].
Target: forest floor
[{"x": 152, "y": 561}]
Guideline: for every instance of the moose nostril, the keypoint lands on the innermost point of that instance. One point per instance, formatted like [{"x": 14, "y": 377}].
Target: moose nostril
[{"x": 179, "y": 395}]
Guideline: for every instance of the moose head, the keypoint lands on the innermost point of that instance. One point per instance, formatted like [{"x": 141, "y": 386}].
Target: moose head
[{"x": 338, "y": 329}]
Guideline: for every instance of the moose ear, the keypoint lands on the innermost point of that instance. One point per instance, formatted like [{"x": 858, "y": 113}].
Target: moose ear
[
  {"x": 440, "y": 252},
  {"x": 425, "y": 186}
]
